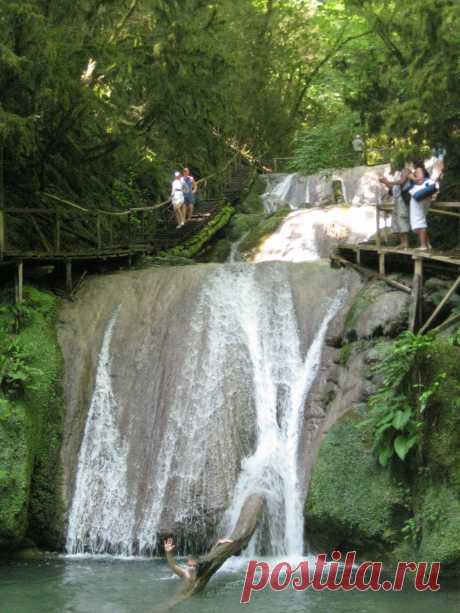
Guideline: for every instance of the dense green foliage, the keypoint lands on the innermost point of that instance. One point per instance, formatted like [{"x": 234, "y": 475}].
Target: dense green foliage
[
  {"x": 396, "y": 80},
  {"x": 31, "y": 409},
  {"x": 402, "y": 511},
  {"x": 99, "y": 101},
  {"x": 396, "y": 411}
]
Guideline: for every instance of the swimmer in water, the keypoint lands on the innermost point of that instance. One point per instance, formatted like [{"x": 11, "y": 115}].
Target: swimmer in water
[{"x": 189, "y": 572}]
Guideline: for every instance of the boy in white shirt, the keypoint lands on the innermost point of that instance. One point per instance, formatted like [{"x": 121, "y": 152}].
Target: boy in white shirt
[{"x": 177, "y": 199}]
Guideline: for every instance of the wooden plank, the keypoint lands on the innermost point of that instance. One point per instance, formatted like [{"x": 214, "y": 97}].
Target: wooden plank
[
  {"x": 439, "y": 212},
  {"x": 358, "y": 256},
  {"x": 445, "y": 324},
  {"x": 382, "y": 263},
  {"x": 372, "y": 273},
  {"x": 414, "y": 309},
  {"x": 377, "y": 236},
  {"x": 440, "y": 306}
]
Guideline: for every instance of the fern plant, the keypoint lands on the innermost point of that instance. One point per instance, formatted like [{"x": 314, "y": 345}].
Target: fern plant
[{"x": 396, "y": 411}]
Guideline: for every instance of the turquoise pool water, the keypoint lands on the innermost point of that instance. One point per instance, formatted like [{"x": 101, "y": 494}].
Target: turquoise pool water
[{"x": 88, "y": 585}]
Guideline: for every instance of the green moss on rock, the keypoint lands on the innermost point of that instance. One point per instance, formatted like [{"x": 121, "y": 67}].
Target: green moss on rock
[
  {"x": 262, "y": 230},
  {"x": 352, "y": 503},
  {"x": 193, "y": 246},
  {"x": 253, "y": 202},
  {"x": 30, "y": 433},
  {"x": 241, "y": 224},
  {"x": 404, "y": 511},
  {"x": 218, "y": 252}
]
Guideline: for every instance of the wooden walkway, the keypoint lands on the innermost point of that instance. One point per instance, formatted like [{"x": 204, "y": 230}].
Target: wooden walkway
[
  {"x": 376, "y": 259},
  {"x": 66, "y": 234}
]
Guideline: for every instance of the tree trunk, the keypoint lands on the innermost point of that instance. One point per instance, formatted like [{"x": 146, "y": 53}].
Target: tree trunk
[{"x": 249, "y": 519}]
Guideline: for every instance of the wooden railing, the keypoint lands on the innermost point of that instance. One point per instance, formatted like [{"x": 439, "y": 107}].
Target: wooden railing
[
  {"x": 65, "y": 228},
  {"x": 437, "y": 208}
]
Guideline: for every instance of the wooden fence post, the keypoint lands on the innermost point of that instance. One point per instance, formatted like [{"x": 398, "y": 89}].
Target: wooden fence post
[
  {"x": 68, "y": 276},
  {"x": 58, "y": 233},
  {"x": 377, "y": 238},
  {"x": 20, "y": 282},
  {"x": 98, "y": 231}
]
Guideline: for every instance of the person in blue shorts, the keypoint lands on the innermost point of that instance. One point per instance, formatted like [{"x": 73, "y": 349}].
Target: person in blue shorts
[{"x": 189, "y": 187}]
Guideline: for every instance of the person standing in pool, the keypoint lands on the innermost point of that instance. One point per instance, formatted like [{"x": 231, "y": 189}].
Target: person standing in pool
[{"x": 189, "y": 572}]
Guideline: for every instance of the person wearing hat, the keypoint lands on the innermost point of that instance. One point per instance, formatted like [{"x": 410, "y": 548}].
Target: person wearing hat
[{"x": 177, "y": 199}]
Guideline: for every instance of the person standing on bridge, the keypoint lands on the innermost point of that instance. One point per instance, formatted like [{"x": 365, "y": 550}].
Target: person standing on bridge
[
  {"x": 398, "y": 185},
  {"x": 177, "y": 199},
  {"x": 422, "y": 193},
  {"x": 189, "y": 186}
]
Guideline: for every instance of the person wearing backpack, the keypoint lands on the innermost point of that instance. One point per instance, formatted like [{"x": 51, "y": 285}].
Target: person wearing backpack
[
  {"x": 399, "y": 186},
  {"x": 189, "y": 187}
]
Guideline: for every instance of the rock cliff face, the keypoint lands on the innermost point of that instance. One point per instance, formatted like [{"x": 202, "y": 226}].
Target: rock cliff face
[
  {"x": 406, "y": 511},
  {"x": 174, "y": 379}
]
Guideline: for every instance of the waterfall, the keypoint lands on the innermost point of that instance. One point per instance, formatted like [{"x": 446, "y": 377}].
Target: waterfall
[
  {"x": 200, "y": 397},
  {"x": 102, "y": 471},
  {"x": 282, "y": 379},
  {"x": 359, "y": 185}
]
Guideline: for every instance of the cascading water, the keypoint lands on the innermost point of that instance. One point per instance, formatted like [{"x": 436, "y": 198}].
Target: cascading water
[
  {"x": 283, "y": 378},
  {"x": 189, "y": 416},
  {"x": 102, "y": 471}
]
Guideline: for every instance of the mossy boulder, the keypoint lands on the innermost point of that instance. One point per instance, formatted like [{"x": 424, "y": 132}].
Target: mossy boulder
[
  {"x": 352, "y": 504},
  {"x": 263, "y": 229},
  {"x": 218, "y": 252},
  {"x": 378, "y": 311},
  {"x": 241, "y": 224},
  {"x": 30, "y": 429},
  {"x": 253, "y": 202}
]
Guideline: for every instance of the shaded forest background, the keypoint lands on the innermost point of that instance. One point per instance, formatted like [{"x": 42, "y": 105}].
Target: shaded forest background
[{"x": 100, "y": 100}]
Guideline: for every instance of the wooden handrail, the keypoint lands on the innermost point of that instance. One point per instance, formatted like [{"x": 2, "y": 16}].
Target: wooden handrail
[
  {"x": 131, "y": 210},
  {"x": 439, "y": 208}
]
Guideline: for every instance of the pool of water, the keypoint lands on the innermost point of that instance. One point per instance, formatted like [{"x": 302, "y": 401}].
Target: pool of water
[{"x": 88, "y": 585}]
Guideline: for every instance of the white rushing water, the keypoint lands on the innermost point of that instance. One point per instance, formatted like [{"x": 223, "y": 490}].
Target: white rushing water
[
  {"x": 355, "y": 186},
  {"x": 282, "y": 378},
  {"x": 234, "y": 419},
  {"x": 307, "y": 235},
  {"x": 102, "y": 472}
]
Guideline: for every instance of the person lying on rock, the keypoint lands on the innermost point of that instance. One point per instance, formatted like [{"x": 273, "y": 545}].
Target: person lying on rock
[{"x": 190, "y": 571}]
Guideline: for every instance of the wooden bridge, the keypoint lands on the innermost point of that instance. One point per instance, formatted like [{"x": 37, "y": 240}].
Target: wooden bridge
[
  {"x": 65, "y": 235},
  {"x": 378, "y": 259}
]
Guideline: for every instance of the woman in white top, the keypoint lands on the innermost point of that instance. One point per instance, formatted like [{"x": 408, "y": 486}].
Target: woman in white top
[
  {"x": 419, "y": 208},
  {"x": 177, "y": 199}
]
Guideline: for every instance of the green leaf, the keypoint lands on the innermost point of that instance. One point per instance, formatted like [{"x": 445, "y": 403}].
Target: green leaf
[
  {"x": 401, "y": 418},
  {"x": 403, "y": 444}
]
